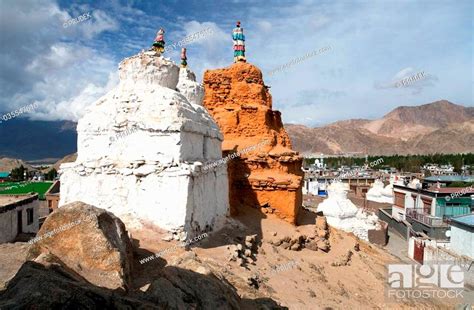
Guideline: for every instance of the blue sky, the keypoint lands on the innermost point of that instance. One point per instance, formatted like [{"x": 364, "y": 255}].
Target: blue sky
[{"x": 374, "y": 44}]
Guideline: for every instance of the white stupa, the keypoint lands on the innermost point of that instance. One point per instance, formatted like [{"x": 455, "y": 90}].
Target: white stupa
[
  {"x": 379, "y": 193},
  {"x": 141, "y": 148},
  {"x": 341, "y": 213}
]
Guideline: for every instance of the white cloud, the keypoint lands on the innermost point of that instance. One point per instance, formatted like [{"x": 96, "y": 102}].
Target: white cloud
[
  {"x": 100, "y": 22},
  {"x": 42, "y": 61},
  {"x": 205, "y": 52},
  {"x": 409, "y": 79}
]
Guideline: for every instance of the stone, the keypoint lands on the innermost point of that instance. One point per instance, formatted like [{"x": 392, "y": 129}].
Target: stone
[
  {"x": 323, "y": 233},
  {"x": 285, "y": 245},
  {"x": 321, "y": 223},
  {"x": 167, "y": 238},
  {"x": 144, "y": 170},
  {"x": 344, "y": 261},
  {"x": 90, "y": 241},
  {"x": 251, "y": 238},
  {"x": 313, "y": 245},
  {"x": 254, "y": 281},
  {"x": 357, "y": 247},
  {"x": 243, "y": 111},
  {"x": 295, "y": 247},
  {"x": 247, "y": 253},
  {"x": 151, "y": 135},
  {"x": 323, "y": 245},
  {"x": 297, "y": 238}
]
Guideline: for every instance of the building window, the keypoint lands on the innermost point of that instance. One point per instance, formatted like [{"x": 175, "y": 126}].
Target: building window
[{"x": 29, "y": 216}]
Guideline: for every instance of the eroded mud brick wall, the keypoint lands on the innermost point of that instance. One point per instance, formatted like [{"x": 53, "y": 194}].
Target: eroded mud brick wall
[{"x": 267, "y": 174}]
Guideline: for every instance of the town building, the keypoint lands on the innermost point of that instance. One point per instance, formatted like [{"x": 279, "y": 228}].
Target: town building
[
  {"x": 52, "y": 196},
  {"x": 462, "y": 235},
  {"x": 4, "y": 176},
  {"x": 447, "y": 180},
  {"x": 18, "y": 215},
  {"x": 441, "y": 170},
  {"x": 429, "y": 210}
]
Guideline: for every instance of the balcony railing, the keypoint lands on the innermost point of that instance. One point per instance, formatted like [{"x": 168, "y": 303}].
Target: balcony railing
[{"x": 418, "y": 215}]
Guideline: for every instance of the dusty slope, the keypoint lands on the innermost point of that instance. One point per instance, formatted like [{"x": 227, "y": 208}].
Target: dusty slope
[
  {"x": 297, "y": 279},
  {"x": 440, "y": 126}
]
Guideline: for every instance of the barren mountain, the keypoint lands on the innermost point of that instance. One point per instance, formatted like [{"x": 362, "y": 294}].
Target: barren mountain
[
  {"x": 438, "y": 127},
  {"x": 7, "y": 164}
]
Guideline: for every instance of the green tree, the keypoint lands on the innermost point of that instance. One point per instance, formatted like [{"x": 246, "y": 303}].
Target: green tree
[
  {"x": 18, "y": 174},
  {"x": 51, "y": 174}
]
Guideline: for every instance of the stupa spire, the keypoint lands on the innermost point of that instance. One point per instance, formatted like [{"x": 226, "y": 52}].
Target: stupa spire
[
  {"x": 159, "y": 43},
  {"x": 239, "y": 43},
  {"x": 184, "y": 59}
]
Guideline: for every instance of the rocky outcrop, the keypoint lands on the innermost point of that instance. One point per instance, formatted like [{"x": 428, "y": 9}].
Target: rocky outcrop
[
  {"x": 141, "y": 148},
  {"x": 36, "y": 286},
  {"x": 314, "y": 239},
  {"x": 267, "y": 173},
  {"x": 90, "y": 241},
  {"x": 193, "y": 284}
]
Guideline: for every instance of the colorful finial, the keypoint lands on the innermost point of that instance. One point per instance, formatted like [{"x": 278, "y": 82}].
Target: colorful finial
[
  {"x": 159, "y": 44},
  {"x": 184, "y": 63},
  {"x": 239, "y": 43}
]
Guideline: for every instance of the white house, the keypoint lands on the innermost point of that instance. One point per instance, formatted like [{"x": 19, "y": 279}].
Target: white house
[
  {"x": 462, "y": 235},
  {"x": 18, "y": 214}
]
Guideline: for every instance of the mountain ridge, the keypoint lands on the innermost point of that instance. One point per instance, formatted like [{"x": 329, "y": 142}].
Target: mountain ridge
[{"x": 436, "y": 127}]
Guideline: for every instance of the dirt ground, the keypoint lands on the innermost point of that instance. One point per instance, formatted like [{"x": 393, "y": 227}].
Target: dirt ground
[{"x": 302, "y": 279}]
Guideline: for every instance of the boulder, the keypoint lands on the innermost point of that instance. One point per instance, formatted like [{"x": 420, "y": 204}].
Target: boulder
[
  {"x": 90, "y": 241},
  {"x": 36, "y": 286}
]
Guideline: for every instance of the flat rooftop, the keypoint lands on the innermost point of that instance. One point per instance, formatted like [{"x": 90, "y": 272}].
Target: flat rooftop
[
  {"x": 450, "y": 178},
  {"x": 467, "y": 220},
  {"x": 7, "y": 200}
]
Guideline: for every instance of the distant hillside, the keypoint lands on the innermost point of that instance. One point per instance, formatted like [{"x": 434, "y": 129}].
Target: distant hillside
[
  {"x": 66, "y": 159},
  {"x": 7, "y": 164},
  {"x": 28, "y": 140},
  {"x": 438, "y": 127}
]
